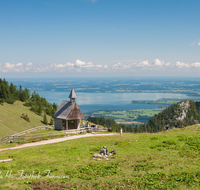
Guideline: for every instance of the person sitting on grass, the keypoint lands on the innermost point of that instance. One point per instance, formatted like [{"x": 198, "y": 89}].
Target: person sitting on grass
[{"x": 104, "y": 151}]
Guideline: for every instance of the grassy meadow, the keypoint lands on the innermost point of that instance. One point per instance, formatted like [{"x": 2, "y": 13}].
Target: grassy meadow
[
  {"x": 11, "y": 121},
  {"x": 166, "y": 160}
]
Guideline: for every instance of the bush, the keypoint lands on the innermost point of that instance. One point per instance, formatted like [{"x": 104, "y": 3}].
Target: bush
[
  {"x": 10, "y": 101},
  {"x": 25, "y": 117}
]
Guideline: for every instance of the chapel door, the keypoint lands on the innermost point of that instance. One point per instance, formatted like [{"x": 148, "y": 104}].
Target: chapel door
[{"x": 72, "y": 124}]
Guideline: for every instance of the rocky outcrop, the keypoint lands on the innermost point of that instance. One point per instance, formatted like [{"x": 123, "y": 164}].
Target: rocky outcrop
[{"x": 184, "y": 109}]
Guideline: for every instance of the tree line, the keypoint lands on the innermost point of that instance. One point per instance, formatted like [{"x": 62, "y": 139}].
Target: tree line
[
  {"x": 10, "y": 93},
  {"x": 40, "y": 105},
  {"x": 115, "y": 127}
]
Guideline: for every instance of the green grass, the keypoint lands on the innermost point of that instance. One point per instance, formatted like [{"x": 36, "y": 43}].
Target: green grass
[
  {"x": 42, "y": 131},
  {"x": 166, "y": 160},
  {"x": 11, "y": 121}
]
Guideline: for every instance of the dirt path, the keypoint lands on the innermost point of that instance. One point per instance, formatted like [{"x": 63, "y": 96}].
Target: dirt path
[{"x": 56, "y": 140}]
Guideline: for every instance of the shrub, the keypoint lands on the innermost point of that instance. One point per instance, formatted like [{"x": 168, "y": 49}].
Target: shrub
[
  {"x": 10, "y": 101},
  {"x": 25, "y": 117},
  {"x": 51, "y": 122}
]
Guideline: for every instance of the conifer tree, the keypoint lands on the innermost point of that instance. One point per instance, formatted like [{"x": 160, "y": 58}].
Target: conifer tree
[
  {"x": 45, "y": 121},
  {"x": 40, "y": 109},
  {"x": 51, "y": 122}
]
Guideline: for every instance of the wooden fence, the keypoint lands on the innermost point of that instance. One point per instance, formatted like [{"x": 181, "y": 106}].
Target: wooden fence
[
  {"x": 34, "y": 129},
  {"x": 49, "y": 135}
]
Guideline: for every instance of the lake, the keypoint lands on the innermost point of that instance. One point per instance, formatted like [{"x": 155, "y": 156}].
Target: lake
[{"x": 109, "y": 101}]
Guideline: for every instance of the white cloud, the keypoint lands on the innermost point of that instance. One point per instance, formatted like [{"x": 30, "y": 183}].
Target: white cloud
[
  {"x": 143, "y": 64},
  {"x": 181, "y": 65},
  {"x": 19, "y": 64},
  {"x": 82, "y": 64},
  {"x": 9, "y": 66},
  {"x": 122, "y": 66},
  {"x": 89, "y": 64},
  {"x": 60, "y": 65},
  {"x": 99, "y": 66},
  {"x": 106, "y": 66},
  {"x": 197, "y": 64},
  {"x": 168, "y": 64},
  {"x": 195, "y": 42},
  {"x": 29, "y": 64},
  {"x": 79, "y": 63},
  {"x": 117, "y": 65},
  {"x": 68, "y": 64},
  {"x": 158, "y": 62}
]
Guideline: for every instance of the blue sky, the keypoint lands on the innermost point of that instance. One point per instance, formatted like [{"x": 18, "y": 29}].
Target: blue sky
[{"x": 72, "y": 38}]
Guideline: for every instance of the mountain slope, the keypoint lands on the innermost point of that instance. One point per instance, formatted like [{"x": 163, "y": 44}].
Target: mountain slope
[
  {"x": 11, "y": 121},
  {"x": 179, "y": 115}
]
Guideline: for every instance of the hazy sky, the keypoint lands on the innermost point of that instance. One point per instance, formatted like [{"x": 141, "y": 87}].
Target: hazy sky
[{"x": 64, "y": 38}]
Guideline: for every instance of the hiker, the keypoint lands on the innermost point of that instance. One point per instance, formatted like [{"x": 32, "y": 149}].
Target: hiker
[
  {"x": 121, "y": 132},
  {"x": 109, "y": 129},
  {"x": 88, "y": 125},
  {"x": 104, "y": 151}
]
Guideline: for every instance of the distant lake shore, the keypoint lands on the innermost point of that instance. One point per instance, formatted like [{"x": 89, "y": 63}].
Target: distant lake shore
[
  {"x": 114, "y": 93},
  {"x": 110, "y": 101}
]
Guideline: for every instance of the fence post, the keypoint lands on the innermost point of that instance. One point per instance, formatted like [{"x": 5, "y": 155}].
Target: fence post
[
  {"x": 49, "y": 135},
  {"x": 24, "y": 138},
  {"x": 65, "y": 133}
]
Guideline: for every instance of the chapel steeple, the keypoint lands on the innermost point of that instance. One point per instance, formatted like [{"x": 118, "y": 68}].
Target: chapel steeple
[{"x": 72, "y": 96}]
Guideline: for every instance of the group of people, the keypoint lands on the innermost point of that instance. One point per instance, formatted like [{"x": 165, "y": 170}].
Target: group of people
[
  {"x": 104, "y": 151},
  {"x": 87, "y": 124}
]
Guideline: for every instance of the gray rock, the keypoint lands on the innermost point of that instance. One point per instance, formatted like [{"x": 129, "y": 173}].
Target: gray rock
[{"x": 97, "y": 155}]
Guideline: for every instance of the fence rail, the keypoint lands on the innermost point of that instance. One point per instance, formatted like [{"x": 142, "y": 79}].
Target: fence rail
[
  {"x": 14, "y": 138},
  {"x": 34, "y": 129}
]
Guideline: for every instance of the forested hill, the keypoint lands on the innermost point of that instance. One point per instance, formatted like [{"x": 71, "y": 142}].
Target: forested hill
[
  {"x": 10, "y": 93},
  {"x": 178, "y": 115}
]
